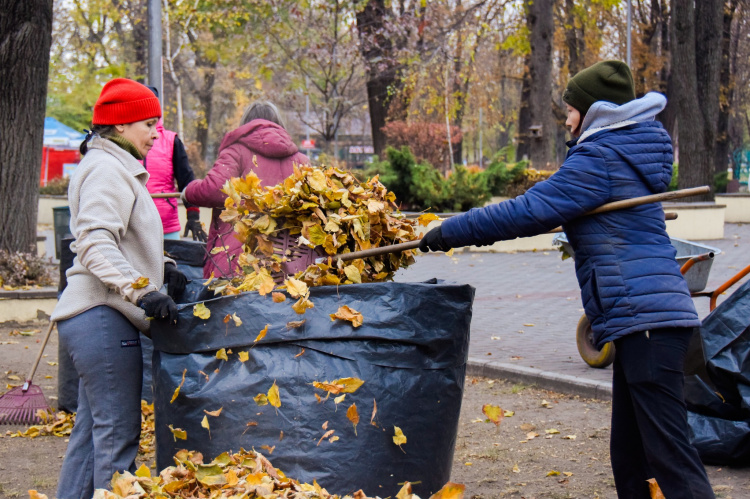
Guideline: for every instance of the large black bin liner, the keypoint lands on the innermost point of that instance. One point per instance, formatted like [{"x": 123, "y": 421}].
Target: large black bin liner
[
  {"x": 411, "y": 353},
  {"x": 720, "y": 424}
]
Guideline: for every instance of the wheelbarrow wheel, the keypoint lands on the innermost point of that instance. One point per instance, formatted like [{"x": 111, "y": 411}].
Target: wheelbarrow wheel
[{"x": 586, "y": 347}]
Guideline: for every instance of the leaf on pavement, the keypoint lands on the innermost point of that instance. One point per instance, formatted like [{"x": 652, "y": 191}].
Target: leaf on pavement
[
  {"x": 493, "y": 413},
  {"x": 450, "y": 491}
]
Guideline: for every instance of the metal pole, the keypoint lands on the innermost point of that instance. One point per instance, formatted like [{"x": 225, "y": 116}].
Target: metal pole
[
  {"x": 630, "y": 27},
  {"x": 154, "y": 45},
  {"x": 307, "y": 109}
]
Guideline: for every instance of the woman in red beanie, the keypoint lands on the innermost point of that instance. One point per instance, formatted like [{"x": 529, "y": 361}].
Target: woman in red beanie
[{"x": 113, "y": 286}]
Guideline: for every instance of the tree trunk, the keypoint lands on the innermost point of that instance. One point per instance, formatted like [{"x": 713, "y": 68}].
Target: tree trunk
[
  {"x": 381, "y": 74},
  {"x": 541, "y": 28},
  {"x": 721, "y": 161},
  {"x": 206, "y": 99},
  {"x": 695, "y": 57},
  {"x": 25, "y": 38},
  {"x": 524, "y": 115}
]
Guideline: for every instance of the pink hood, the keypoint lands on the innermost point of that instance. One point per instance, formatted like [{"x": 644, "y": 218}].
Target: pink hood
[{"x": 262, "y": 137}]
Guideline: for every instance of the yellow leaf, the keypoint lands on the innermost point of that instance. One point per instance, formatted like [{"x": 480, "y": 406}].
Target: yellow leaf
[
  {"x": 553, "y": 473},
  {"x": 425, "y": 219},
  {"x": 244, "y": 356},
  {"x": 214, "y": 413},
  {"x": 177, "y": 390},
  {"x": 450, "y": 252},
  {"x": 353, "y": 416},
  {"x": 333, "y": 438},
  {"x": 516, "y": 469},
  {"x": 296, "y": 287},
  {"x": 268, "y": 448},
  {"x": 302, "y": 305},
  {"x": 654, "y": 489},
  {"x": 508, "y": 414},
  {"x": 352, "y": 273},
  {"x": 398, "y": 438},
  {"x": 551, "y": 431},
  {"x": 278, "y": 297},
  {"x": 450, "y": 491},
  {"x": 493, "y": 413},
  {"x": 143, "y": 472},
  {"x": 274, "y": 397},
  {"x": 140, "y": 283},
  {"x": 261, "y": 399},
  {"x": 528, "y": 325},
  {"x": 222, "y": 354},
  {"x": 568, "y": 473},
  {"x": 33, "y": 494},
  {"x": 374, "y": 411},
  {"x": 201, "y": 311},
  {"x": 405, "y": 492},
  {"x": 237, "y": 320},
  {"x": 348, "y": 314},
  {"x": 178, "y": 433},
  {"x": 232, "y": 478},
  {"x": 339, "y": 399},
  {"x": 204, "y": 424},
  {"x": 262, "y": 334},
  {"x": 326, "y": 435},
  {"x": 317, "y": 180}
]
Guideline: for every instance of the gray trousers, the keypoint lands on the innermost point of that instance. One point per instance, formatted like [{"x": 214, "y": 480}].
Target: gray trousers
[{"x": 106, "y": 352}]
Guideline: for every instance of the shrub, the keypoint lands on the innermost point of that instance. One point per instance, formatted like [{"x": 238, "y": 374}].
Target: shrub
[
  {"x": 23, "y": 269},
  {"x": 56, "y": 187},
  {"x": 526, "y": 181},
  {"x": 500, "y": 175},
  {"x": 427, "y": 141},
  {"x": 467, "y": 190}
]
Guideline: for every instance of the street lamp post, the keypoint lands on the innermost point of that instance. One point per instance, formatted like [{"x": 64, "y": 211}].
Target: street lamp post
[{"x": 154, "y": 45}]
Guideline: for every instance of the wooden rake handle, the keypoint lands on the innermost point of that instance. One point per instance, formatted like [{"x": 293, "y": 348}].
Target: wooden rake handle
[
  {"x": 616, "y": 205},
  {"x": 27, "y": 384}
]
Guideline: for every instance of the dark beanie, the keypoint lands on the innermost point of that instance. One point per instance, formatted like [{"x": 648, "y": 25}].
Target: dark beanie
[{"x": 609, "y": 81}]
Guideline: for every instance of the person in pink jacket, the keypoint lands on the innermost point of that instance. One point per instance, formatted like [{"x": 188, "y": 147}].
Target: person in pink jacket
[{"x": 260, "y": 144}]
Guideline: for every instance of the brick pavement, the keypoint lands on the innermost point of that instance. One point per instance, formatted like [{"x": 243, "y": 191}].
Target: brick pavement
[{"x": 527, "y": 306}]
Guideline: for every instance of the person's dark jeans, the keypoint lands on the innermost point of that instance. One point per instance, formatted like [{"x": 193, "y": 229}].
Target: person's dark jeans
[{"x": 649, "y": 418}]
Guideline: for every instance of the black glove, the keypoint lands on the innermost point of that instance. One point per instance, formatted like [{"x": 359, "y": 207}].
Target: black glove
[
  {"x": 175, "y": 281},
  {"x": 159, "y": 306},
  {"x": 433, "y": 241},
  {"x": 194, "y": 226}
]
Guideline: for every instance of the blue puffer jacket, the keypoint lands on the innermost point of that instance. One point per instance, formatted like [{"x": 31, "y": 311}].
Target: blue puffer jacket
[{"x": 625, "y": 263}]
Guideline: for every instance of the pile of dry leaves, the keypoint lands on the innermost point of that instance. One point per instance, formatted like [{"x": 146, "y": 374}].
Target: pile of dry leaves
[
  {"x": 244, "y": 474},
  {"x": 324, "y": 212}
]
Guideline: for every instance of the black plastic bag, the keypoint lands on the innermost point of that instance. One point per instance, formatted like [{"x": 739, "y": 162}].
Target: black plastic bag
[
  {"x": 719, "y": 406},
  {"x": 410, "y": 351}
]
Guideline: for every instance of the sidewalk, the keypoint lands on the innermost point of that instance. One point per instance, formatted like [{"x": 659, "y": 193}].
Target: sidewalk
[{"x": 527, "y": 306}]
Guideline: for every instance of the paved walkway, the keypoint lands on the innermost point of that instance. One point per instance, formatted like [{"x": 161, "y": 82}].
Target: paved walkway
[{"x": 527, "y": 306}]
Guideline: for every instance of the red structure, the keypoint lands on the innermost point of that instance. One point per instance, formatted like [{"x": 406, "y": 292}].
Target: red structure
[{"x": 53, "y": 161}]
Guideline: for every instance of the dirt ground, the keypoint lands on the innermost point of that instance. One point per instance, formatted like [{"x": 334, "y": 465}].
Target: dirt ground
[{"x": 568, "y": 459}]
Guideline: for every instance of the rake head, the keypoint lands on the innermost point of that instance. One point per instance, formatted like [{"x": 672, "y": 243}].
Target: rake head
[
  {"x": 20, "y": 406},
  {"x": 296, "y": 257}
]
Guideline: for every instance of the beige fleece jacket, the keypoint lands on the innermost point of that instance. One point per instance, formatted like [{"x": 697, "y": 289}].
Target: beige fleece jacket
[{"x": 118, "y": 232}]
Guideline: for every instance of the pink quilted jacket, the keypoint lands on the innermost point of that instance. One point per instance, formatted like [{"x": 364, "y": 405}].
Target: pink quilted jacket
[{"x": 275, "y": 154}]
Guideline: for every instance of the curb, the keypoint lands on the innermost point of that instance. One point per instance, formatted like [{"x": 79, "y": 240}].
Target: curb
[{"x": 571, "y": 385}]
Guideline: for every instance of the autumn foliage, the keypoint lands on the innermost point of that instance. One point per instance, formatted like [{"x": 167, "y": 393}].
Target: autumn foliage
[{"x": 427, "y": 141}]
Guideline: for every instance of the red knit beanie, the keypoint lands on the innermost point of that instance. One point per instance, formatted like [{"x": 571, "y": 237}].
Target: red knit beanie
[{"x": 125, "y": 101}]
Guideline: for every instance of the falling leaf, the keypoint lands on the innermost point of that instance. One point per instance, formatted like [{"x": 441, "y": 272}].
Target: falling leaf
[
  {"x": 214, "y": 413},
  {"x": 326, "y": 435},
  {"x": 268, "y": 448},
  {"x": 244, "y": 356},
  {"x": 353, "y": 416},
  {"x": 261, "y": 399},
  {"x": 302, "y": 305},
  {"x": 318, "y": 397},
  {"x": 493, "y": 413},
  {"x": 227, "y": 318},
  {"x": 296, "y": 287},
  {"x": 425, "y": 219},
  {"x": 295, "y": 324},
  {"x": 140, "y": 283},
  {"x": 398, "y": 438},
  {"x": 339, "y": 399},
  {"x": 348, "y": 314},
  {"x": 177, "y": 390},
  {"x": 278, "y": 297},
  {"x": 201, "y": 311},
  {"x": 553, "y": 473},
  {"x": 222, "y": 354},
  {"x": 178, "y": 433},
  {"x": 516, "y": 469},
  {"x": 204, "y": 424},
  {"x": 654, "y": 489},
  {"x": 374, "y": 411},
  {"x": 333, "y": 438},
  {"x": 237, "y": 320},
  {"x": 262, "y": 334},
  {"x": 450, "y": 491},
  {"x": 273, "y": 396},
  {"x": 551, "y": 431}
]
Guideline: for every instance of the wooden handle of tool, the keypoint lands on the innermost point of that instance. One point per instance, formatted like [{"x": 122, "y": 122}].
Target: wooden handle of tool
[
  {"x": 39, "y": 355},
  {"x": 617, "y": 205},
  {"x": 162, "y": 195}
]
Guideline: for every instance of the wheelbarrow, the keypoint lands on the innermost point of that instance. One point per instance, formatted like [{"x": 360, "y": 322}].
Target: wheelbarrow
[{"x": 695, "y": 260}]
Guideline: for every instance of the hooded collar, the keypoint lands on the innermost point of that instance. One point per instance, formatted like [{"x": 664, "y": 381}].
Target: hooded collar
[
  {"x": 603, "y": 115},
  {"x": 262, "y": 137},
  {"x": 128, "y": 161}
]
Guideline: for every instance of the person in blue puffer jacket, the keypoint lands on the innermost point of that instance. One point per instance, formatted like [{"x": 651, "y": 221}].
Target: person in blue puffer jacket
[{"x": 631, "y": 286}]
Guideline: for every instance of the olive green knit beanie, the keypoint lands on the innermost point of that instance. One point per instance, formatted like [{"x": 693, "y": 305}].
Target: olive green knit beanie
[{"x": 609, "y": 81}]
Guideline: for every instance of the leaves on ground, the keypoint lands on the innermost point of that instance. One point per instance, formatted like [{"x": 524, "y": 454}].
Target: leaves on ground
[{"x": 493, "y": 413}]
